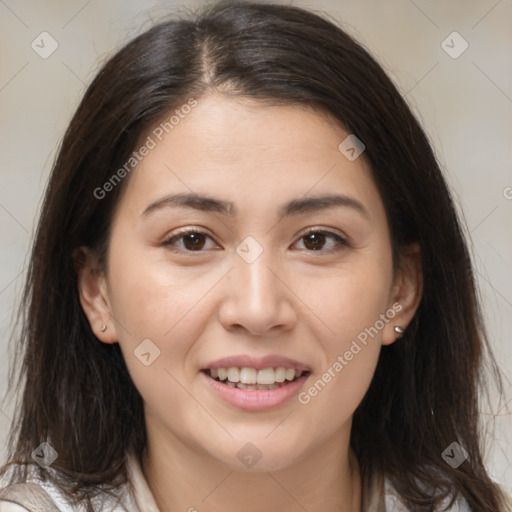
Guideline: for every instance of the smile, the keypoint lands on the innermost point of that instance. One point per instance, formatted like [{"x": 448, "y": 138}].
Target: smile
[{"x": 253, "y": 379}]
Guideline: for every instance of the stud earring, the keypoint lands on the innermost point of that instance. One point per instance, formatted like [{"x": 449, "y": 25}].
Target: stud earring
[
  {"x": 399, "y": 330},
  {"x": 103, "y": 328}
]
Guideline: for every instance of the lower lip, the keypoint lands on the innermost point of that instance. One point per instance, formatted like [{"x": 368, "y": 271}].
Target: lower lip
[{"x": 256, "y": 399}]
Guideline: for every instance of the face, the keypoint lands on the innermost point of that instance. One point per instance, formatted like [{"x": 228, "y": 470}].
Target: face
[{"x": 286, "y": 262}]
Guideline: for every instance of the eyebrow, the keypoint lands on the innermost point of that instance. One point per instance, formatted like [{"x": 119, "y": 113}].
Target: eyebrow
[{"x": 293, "y": 207}]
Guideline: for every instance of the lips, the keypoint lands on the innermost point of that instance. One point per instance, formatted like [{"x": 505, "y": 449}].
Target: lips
[
  {"x": 251, "y": 399},
  {"x": 255, "y": 383}
]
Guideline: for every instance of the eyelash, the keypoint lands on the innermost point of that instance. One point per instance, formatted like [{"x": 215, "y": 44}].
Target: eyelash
[{"x": 341, "y": 242}]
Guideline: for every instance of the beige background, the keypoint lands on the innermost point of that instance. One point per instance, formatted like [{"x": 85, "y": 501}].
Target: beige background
[{"x": 465, "y": 105}]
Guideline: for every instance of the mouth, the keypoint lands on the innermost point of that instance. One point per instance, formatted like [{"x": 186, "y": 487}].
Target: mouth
[
  {"x": 252, "y": 379},
  {"x": 251, "y": 389}
]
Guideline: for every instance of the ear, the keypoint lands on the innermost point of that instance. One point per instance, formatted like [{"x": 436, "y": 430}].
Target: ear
[
  {"x": 406, "y": 292},
  {"x": 92, "y": 289}
]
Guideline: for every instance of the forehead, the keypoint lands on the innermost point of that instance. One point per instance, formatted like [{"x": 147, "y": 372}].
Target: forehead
[
  {"x": 242, "y": 149},
  {"x": 228, "y": 126}
]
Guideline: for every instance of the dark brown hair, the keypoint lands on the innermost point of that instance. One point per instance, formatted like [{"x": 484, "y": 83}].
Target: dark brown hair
[{"x": 77, "y": 393}]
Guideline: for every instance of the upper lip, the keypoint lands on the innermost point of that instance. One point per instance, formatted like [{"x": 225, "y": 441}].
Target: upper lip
[{"x": 259, "y": 363}]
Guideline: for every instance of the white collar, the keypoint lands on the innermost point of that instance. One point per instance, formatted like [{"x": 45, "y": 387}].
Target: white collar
[
  {"x": 144, "y": 501},
  {"x": 142, "y": 494}
]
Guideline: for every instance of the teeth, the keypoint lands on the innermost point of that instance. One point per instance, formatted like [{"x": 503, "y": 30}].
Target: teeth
[
  {"x": 254, "y": 387},
  {"x": 250, "y": 378},
  {"x": 280, "y": 374},
  {"x": 248, "y": 375},
  {"x": 290, "y": 374},
  {"x": 268, "y": 376},
  {"x": 234, "y": 374}
]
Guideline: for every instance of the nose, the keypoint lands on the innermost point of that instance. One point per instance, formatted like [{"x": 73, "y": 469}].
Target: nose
[{"x": 257, "y": 297}]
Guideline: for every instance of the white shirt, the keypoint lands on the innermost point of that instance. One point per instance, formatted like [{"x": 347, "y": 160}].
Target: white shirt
[{"x": 136, "y": 496}]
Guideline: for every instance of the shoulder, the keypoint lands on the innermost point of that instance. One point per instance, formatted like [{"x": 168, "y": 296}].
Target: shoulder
[
  {"x": 7, "y": 506},
  {"x": 395, "y": 504},
  {"x": 16, "y": 497}
]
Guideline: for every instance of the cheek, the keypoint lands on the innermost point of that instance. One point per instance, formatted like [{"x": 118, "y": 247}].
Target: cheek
[
  {"x": 353, "y": 305},
  {"x": 351, "y": 346},
  {"x": 161, "y": 315},
  {"x": 151, "y": 297},
  {"x": 348, "y": 300},
  {"x": 160, "y": 309},
  {"x": 334, "y": 395}
]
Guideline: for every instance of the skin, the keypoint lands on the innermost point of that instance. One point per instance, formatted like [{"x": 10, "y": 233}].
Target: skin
[{"x": 199, "y": 306}]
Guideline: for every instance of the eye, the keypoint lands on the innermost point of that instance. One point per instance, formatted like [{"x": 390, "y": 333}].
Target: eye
[
  {"x": 191, "y": 240},
  {"x": 315, "y": 240}
]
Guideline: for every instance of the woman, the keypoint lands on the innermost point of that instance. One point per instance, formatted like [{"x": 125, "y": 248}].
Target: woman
[{"x": 249, "y": 288}]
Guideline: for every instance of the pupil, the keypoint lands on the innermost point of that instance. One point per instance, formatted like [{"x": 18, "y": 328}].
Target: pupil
[
  {"x": 195, "y": 240},
  {"x": 310, "y": 239}
]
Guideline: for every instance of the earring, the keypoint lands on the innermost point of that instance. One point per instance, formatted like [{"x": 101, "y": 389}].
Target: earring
[
  {"x": 103, "y": 328},
  {"x": 399, "y": 330}
]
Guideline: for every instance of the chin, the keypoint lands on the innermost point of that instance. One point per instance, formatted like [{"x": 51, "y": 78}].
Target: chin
[{"x": 255, "y": 457}]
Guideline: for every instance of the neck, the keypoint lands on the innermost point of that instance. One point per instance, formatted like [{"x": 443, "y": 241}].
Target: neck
[{"x": 182, "y": 478}]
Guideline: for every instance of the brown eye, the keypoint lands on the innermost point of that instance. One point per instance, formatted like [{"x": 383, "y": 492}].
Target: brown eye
[
  {"x": 191, "y": 241},
  {"x": 316, "y": 240}
]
